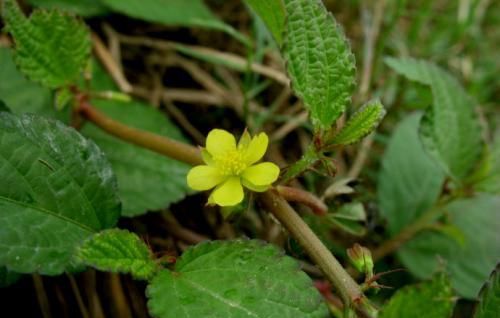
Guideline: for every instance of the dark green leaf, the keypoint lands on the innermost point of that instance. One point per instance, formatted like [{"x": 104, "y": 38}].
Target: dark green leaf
[
  {"x": 319, "y": 61},
  {"x": 57, "y": 189},
  {"x": 409, "y": 182},
  {"x": 433, "y": 299},
  {"x": 118, "y": 251},
  {"x": 234, "y": 279},
  {"x": 86, "y": 8},
  {"x": 146, "y": 180}
]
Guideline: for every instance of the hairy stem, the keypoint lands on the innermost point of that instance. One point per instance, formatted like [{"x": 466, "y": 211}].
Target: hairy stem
[
  {"x": 348, "y": 289},
  {"x": 307, "y": 198}
]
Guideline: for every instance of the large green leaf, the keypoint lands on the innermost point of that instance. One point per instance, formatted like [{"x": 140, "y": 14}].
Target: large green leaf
[
  {"x": 489, "y": 303},
  {"x": 272, "y": 12},
  {"x": 433, "y": 299},
  {"x": 409, "y": 182},
  {"x": 192, "y": 13},
  {"x": 234, "y": 279},
  {"x": 363, "y": 122},
  {"x": 118, "y": 251},
  {"x": 20, "y": 94},
  {"x": 52, "y": 48},
  {"x": 469, "y": 264},
  {"x": 146, "y": 180},
  {"x": 319, "y": 61},
  {"x": 86, "y": 8},
  {"x": 488, "y": 180},
  {"x": 450, "y": 129},
  {"x": 57, "y": 189}
]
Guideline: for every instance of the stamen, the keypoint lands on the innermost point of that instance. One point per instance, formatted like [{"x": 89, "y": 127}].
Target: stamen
[{"x": 231, "y": 163}]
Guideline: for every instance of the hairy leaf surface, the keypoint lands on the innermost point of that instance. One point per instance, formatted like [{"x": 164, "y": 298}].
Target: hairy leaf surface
[
  {"x": 120, "y": 251},
  {"x": 57, "y": 189},
  {"x": 234, "y": 279},
  {"x": 52, "y": 48},
  {"x": 319, "y": 61},
  {"x": 86, "y": 8},
  {"x": 489, "y": 298}
]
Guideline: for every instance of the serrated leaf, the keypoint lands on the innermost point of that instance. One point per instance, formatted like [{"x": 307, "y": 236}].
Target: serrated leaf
[
  {"x": 450, "y": 129},
  {"x": 146, "y": 180},
  {"x": 52, "y": 48},
  {"x": 234, "y": 279},
  {"x": 119, "y": 251},
  {"x": 319, "y": 61},
  {"x": 192, "y": 13},
  {"x": 362, "y": 123},
  {"x": 489, "y": 297},
  {"x": 85, "y": 8},
  {"x": 409, "y": 181},
  {"x": 433, "y": 299},
  {"x": 272, "y": 12},
  {"x": 57, "y": 189},
  {"x": 7, "y": 277},
  {"x": 468, "y": 265},
  {"x": 20, "y": 94}
]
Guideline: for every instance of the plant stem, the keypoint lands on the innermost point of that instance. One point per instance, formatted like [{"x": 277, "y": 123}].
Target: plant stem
[
  {"x": 291, "y": 194},
  {"x": 163, "y": 145},
  {"x": 348, "y": 289}
]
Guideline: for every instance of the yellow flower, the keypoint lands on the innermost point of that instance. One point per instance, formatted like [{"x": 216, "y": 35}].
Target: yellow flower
[{"x": 230, "y": 165}]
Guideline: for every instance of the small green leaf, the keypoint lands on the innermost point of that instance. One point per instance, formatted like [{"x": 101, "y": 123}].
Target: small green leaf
[
  {"x": 85, "y": 8},
  {"x": 409, "y": 182},
  {"x": 489, "y": 297},
  {"x": 450, "y": 129},
  {"x": 7, "y": 277},
  {"x": 363, "y": 122},
  {"x": 433, "y": 299},
  {"x": 234, "y": 279},
  {"x": 272, "y": 12},
  {"x": 192, "y": 13},
  {"x": 60, "y": 190},
  {"x": 469, "y": 264},
  {"x": 119, "y": 251},
  {"x": 319, "y": 61},
  {"x": 62, "y": 98},
  {"x": 52, "y": 48},
  {"x": 348, "y": 218}
]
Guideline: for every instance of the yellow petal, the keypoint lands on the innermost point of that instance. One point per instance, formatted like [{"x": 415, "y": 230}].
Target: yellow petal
[
  {"x": 257, "y": 148},
  {"x": 244, "y": 141},
  {"x": 207, "y": 157},
  {"x": 229, "y": 193},
  {"x": 220, "y": 142},
  {"x": 204, "y": 178},
  {"x": 262, "y": 174},
  {"x": 247, "y": 184}
]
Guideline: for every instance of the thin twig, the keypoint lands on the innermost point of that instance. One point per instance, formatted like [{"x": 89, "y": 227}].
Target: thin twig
[
  {"x": 180, "y": 232},
  {"x": 307, "y": 198},
  {"x": 41, "y": 295},
  {"x": 289, "y": 126},
  {"x": 78, "y": 296},
  {"x": 110, "y": 64},
  {"x": 119, "y": 298}
]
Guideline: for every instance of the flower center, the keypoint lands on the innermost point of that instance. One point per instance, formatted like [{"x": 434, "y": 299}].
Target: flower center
[{"x": 231, "y": 163}]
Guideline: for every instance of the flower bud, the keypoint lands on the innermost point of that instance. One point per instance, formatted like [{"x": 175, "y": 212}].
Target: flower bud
[{"x": 361, "y": 259}]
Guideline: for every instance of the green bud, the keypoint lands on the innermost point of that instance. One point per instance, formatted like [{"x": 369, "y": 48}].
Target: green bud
[{"x": 361, "y": 259}]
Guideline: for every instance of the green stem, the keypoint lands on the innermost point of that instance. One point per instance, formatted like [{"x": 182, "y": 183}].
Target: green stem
[{"x": 348, "y": 289}]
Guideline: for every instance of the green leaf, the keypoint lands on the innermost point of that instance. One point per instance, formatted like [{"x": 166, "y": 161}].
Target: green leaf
[
  {"x": 409, "y": 182},
  {"x": 348, "y": 217},
  {"x": 489, "y": 297},
  {"x": 63, "y": 97},
  {"x": 319, "y": 61},
  {"x": 146, "y": 180},
  {"x": 57, "y": 189},
  {"x": 20, "y": 94},
  {"x": 450, "y": 129},
  {"x": 432, "y": 299},
  {"x": 192, "y": 13},
  {"x": 85, "y": 8},
  {"x": 469, "y": 264},
  {"x": 52, "y": 48},
  {"x": 7, "y": 277},
  {"x": 234, "y": 279},
  {"x": 272, "y": 12},
  {"x": 488, "y": 179},
  {"x": 362, "y": 123},
  {"x": 119, "y": 251}
]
